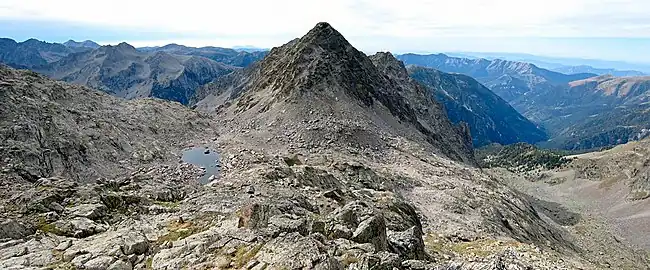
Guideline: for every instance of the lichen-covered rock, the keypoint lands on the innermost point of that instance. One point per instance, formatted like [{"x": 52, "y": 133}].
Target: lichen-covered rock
[
  {"x": 255, "y": 216},
  {"x": 120, "y": 265}
]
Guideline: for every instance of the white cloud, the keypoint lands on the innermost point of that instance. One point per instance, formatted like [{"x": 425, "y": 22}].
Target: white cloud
[{"x": 403, "y": 18}]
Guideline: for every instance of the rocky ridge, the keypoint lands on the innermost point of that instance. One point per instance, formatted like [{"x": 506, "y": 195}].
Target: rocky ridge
[
  {"x": 32, "y": 53},
  {"x": 82, "y": 44},
  {"x": 222, "y": 55}
]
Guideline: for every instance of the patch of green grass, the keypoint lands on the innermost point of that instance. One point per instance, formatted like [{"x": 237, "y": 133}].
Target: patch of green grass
[
  {"x": 481, "y": 248},
  {"x": 433, "y": 243},
  {"x": 60, "y": 265},
  {"x": 349, "y": 259},
  {"x": 42, "y": 225},
  {"x": 178, "y": 231},
  {"x": 167, "y": 204},
  {"x": 476, "y": 247},
  {"x": 244, "y": 254},
  {"x": 149, "y": 263}
]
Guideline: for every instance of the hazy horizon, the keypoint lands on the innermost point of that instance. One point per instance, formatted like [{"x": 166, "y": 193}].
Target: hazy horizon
[{"x": 613, "y": 30}]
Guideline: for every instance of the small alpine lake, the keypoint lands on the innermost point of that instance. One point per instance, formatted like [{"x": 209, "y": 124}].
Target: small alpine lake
[{"x": 205, "y": 158}]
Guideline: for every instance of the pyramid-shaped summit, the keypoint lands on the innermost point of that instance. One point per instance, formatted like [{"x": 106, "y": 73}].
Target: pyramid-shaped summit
[
  {"x": 321, "y": 79},
  {"x": 326, "y": 37},
  {"x": 321, "y": 61}
]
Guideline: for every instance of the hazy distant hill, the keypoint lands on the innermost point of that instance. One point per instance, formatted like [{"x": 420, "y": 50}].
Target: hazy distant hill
[
  {"x": 549, "y": 62},
  {"x": 238, "y": 58},
  {"x": 83, "y": 44},
  {"x": 594, "y": 112},
  {"x": 32, "y": 53},
  {"x": 508, "y": 79},
  {"x": 599, "y": 71}
]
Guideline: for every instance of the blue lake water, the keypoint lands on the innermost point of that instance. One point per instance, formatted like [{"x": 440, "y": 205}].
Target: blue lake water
[{"x": 203, "y": 157}]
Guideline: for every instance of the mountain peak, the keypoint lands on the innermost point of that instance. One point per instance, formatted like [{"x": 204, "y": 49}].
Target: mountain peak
[
  {"x": 81, "y": 44},
  {"x": 125, "y": 46},
  {"x": 325, "y": 36},
  {"x": 388, "y": 64},
  {"x": 321, "y": 77}
]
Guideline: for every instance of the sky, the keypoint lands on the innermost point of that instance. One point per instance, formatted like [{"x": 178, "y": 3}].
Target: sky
[{"x": 598, "y": 29}]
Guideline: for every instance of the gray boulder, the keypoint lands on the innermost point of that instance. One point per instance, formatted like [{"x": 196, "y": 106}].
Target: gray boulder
[
  {"x": 372, "y": 230},
  {"x": 78, "y": 227},
  {"x": 289, "y": 223},
  {"x": 409, "y": 244},
  {"x": 13, "y": 229},
  {"x": 90, "y": 211},
  {"x": 120, "y": 265},
  {"x": 135, "y": 243},
  {"x": 99, "y": 263}
]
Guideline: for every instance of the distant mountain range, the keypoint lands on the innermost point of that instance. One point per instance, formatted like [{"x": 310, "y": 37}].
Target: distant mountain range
[
  {"x": 574, "y": 108},
  {"x": 170, "y": 72},
  {"x": 33, "y": 53},
  {"x": 508, "y": 79},
  {"x": 123, "y": 71},
  {"x": 238, "y": 58},
  {"x": 579, "y": 111},
  {"x": 599, "y": 71},
  {"x": 595, "y": 112},
  {"x": 562, "y": 64},
  {"x": 490, "y": 118}
]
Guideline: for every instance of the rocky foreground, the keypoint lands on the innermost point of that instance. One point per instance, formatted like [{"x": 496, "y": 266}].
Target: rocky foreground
[{"x": 96, "y": 182}]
